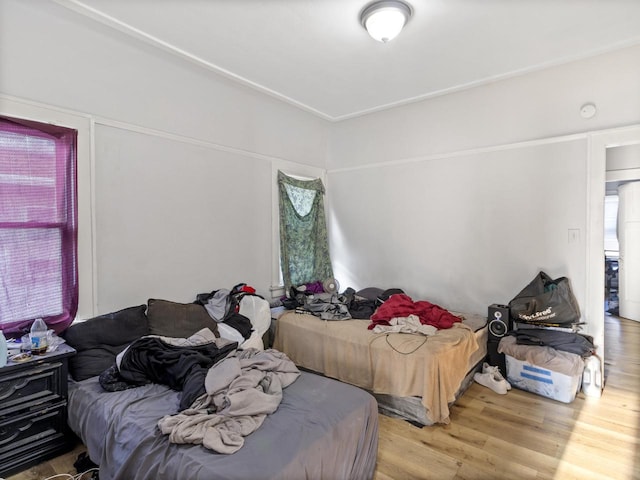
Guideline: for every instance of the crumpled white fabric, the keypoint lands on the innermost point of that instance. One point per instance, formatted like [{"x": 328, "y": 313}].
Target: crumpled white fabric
[
  {"x": 241, "y": 390},
  {"x": 410, "y": 324}
]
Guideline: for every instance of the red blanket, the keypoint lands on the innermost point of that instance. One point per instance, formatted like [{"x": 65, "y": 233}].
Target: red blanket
[{"x": 401, "y": 305}]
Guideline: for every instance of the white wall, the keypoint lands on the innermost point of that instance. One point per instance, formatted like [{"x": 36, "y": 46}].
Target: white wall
[
  {"x": 463, "y": 198},
  {"x": 189, "y": 219},
  {"x": 466, "y": 231},
  {"x": 181, "y": 169}
]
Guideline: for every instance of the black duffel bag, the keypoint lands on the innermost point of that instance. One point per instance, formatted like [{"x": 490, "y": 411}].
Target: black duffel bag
[{"x": 546, "y": 302}]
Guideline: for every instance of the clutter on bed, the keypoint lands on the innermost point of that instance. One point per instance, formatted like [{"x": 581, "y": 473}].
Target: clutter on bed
[
  {"x": 312, "y": 298},
  {"x": 181, "y": 364},
  {"x": 242, "y": 315},
  {"x": 183, "y": 399},
  {"x": 401, "y": 306},
  {"x": 99, "y": 340},
  {"x": 415, "y": 376},
  {"x": 239, "y": 392}
]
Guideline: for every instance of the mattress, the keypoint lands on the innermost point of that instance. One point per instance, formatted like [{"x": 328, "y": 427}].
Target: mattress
[
  {"x": 322, "y": 429},
  {"x": 420, "y": 374}
]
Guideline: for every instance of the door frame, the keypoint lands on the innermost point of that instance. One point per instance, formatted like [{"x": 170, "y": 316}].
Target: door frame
[
  {"x": 623, "y": 288},
  {"x": 598, "y": 143}
]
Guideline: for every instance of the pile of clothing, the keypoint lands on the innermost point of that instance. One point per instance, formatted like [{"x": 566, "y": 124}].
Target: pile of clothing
[
  {"x": 226, "y": 392},
  {"x": 560, "y": 351},
  {"x": 399, "y": 313},
  {"x": 389, "y": 310},
  {"x": 223, "y": 306}
]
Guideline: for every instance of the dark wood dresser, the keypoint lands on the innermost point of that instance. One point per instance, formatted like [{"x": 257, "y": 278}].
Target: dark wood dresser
[{"x": 33, "y": 410}]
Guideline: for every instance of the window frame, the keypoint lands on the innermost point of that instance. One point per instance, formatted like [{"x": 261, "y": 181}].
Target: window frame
[{"x": 83, "y": 124}]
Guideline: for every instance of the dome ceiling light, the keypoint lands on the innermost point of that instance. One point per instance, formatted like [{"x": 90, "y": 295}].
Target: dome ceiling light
[{"x": 385, "y": 19}]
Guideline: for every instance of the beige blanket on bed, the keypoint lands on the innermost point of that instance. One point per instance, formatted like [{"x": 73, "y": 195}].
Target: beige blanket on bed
[{"x": 431, "y": 367}]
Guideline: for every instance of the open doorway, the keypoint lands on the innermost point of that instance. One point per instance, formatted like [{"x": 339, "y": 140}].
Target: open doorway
[
  {"x": 622, "y": 168},
  {"x": 601, "y": 145},
  {"x": 611, "y": 250}
]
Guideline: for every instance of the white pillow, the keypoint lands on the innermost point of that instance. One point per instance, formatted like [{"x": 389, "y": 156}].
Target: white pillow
[
  {"x": 230, "y": 333},
  {"x": 258, "y": 311}
]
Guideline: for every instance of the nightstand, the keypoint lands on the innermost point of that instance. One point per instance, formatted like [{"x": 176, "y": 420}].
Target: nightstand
[
  {"x": 270, "y": 335},
  {"x": 33, "y": 410}
]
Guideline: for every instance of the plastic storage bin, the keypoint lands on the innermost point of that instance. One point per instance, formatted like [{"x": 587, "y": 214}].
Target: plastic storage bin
[{"x": 550, "y": 384}]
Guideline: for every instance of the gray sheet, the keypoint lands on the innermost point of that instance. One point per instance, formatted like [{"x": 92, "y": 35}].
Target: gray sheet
[{"x": 323, "y": 429}]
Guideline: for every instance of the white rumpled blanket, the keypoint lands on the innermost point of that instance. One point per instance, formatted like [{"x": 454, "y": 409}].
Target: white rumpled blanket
[
  {"x": 410, "y": 324},
  {"x": 241, "y": 391}
]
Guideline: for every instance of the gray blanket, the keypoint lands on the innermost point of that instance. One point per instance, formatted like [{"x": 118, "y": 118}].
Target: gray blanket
[
  {"x": 241, "y": 391},
  {"x": 322, "y": 429}
]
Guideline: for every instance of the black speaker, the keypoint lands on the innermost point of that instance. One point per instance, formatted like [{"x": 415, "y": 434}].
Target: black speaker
[
  {"x": 498, "y": 320},
  {"x": 499, "y": 324},
  {"x": 496, "y": 359}
]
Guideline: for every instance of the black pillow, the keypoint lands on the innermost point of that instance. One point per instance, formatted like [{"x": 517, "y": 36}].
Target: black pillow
[
  {"x": 99, "y": 339},
  {"x": 370, "y": 293},
  {"x": 181, "y": 320}
]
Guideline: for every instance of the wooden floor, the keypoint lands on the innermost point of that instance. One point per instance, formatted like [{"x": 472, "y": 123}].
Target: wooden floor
[{"x": 515, "y": 436}]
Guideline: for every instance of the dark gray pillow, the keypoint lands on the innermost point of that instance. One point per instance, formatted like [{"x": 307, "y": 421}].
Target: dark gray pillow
[
  {"x": 99, "y": 339},
  {"x": 171, "y": 319},
  {"x": 370, "y": 293}
]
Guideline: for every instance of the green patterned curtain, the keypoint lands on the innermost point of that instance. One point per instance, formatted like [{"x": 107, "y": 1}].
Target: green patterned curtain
[{"x": 304, "y": 246}]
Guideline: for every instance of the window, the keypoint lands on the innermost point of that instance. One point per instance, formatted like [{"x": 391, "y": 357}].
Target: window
[
  {"x": 38, "y": 225},
  {"x": 304, "y": 244}
]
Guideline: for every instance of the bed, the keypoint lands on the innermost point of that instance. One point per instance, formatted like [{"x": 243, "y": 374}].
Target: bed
[
  {"x": 415, "y": 377},
  {"x": 322, "y": 428}
]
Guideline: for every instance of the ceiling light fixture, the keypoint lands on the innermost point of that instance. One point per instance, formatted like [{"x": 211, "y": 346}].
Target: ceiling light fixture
[{"x": 385, "y": 19}]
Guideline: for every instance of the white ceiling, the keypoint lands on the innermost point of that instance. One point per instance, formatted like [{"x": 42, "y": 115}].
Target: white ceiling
[{"x": 316, "y": 55}]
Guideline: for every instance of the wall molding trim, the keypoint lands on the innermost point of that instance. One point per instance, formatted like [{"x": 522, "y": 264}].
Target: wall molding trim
[
  {"x": 462, "y": 153},
  {"x": 176, "y": 137},
  {"x": 492, "y": 148},
  {"x": 99, "y": 16}
]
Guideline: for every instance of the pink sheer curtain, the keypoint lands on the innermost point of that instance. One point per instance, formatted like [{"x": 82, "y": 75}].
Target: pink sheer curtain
[{"x": 38, "y": 225}]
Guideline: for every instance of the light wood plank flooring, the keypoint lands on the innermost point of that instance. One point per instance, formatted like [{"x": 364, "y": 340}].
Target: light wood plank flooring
[{"x": 515, "y": 436}]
